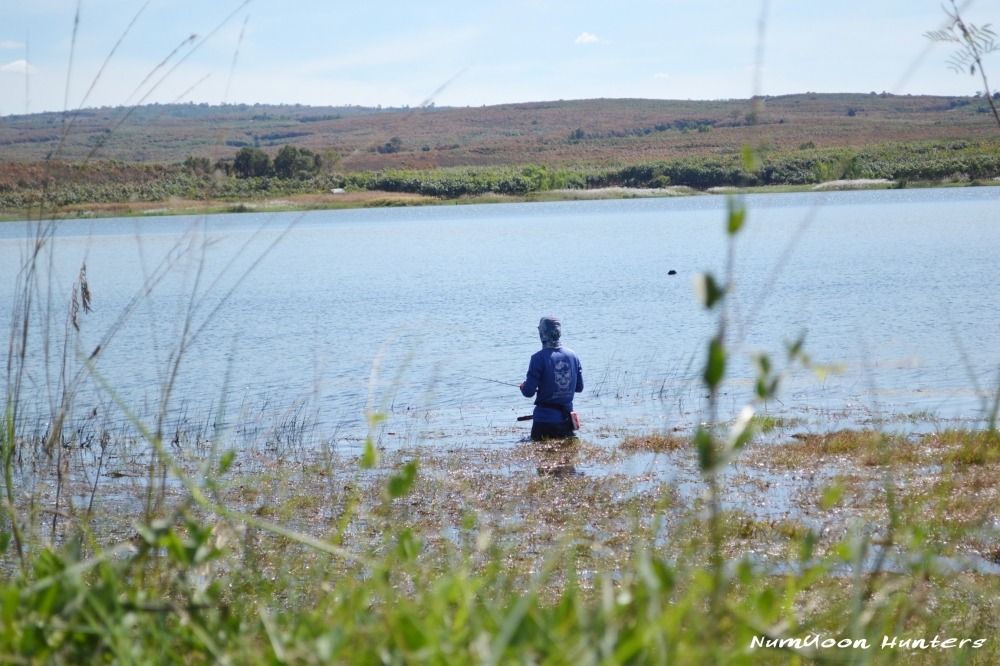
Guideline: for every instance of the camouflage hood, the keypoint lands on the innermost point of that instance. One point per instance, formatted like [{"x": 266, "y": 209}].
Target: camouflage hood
[{"x": 550, "y": 330}]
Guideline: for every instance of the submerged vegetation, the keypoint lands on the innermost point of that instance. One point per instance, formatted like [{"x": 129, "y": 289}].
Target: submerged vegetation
[{"x": 459, "y": 555}]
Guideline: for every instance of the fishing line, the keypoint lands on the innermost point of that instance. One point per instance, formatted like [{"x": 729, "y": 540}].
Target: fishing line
[{"x": 495, "y": 381}]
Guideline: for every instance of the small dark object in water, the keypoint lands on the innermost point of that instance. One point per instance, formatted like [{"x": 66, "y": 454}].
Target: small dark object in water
[{"x": 671, "y": 272}]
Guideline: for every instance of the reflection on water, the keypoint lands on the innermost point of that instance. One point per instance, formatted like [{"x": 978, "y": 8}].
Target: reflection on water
[{"x": 557, "y": 458}]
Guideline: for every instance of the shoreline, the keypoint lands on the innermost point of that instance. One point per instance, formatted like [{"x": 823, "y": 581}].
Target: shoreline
[{"x": 380, "y": 199}]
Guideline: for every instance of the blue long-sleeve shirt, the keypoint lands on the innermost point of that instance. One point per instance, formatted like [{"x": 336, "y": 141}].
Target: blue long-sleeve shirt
[{"x": 554, "y": 376}]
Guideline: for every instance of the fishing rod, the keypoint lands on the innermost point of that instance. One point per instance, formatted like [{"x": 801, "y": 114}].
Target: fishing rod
[{"x": 497, "y": 382}]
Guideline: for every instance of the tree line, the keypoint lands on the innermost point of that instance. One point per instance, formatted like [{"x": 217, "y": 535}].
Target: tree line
[{"x": 249, "y": 162}]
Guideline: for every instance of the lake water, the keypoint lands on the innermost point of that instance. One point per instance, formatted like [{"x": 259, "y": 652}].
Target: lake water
[{"x": 418, "y": 312}]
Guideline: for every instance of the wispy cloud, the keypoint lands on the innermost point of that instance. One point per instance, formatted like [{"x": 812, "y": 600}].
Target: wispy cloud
[
  {"x": 588, "y": 38},
  {"x": 9, "y": 44},
  {"x": 661, "y": 75},
  {"x": 17, "y": 67}
]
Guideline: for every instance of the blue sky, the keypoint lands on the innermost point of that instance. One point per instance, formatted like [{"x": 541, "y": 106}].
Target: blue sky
[{"x": 468, "y": 53}]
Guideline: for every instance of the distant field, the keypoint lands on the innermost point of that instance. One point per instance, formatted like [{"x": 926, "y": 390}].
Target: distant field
[
  {"x": 588, "y": 131},
  {"x": 123, "y": 161}
]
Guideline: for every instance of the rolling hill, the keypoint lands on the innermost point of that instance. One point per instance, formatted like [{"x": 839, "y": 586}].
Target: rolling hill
[{"x": 598, "y": 131}]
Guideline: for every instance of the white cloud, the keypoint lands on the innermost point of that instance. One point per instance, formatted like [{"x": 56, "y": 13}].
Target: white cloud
[
  {"x": 8, "y": 44},
  {"x": 18, "y": 67},
  {"x": 587, "y": 38},
  {"x": 661, "y": 75}
]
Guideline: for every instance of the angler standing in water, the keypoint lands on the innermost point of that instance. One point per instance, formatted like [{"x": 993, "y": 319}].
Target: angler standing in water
[{"x": 554, "y": 376}]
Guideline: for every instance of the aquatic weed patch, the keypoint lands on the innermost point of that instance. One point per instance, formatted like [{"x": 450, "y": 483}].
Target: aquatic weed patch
[
  {"x": 767, "y": 423},
  {"x": 966, "y": 448},
  {"x": 656, "y": 443},
  {"x": 867, "y": 447}
]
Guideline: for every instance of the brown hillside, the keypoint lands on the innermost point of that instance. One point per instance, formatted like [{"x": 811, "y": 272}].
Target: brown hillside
[{"x": 585, "y": 131}]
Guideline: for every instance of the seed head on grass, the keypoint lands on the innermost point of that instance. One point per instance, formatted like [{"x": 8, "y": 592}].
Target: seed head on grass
[{"x": 80, "y": 297}]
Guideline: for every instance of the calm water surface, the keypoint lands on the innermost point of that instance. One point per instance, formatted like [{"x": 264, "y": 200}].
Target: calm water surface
[{"x": 320, "y": 316}]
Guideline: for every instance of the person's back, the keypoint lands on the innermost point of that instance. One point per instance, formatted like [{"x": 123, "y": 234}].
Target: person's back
[{"x": 554, "y": 376}]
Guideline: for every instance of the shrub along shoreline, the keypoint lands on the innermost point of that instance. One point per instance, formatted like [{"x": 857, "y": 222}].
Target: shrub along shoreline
[{"x": 115, "y": 188}]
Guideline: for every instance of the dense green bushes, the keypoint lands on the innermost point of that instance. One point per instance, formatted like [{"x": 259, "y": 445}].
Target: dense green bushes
[
  {"x": 451, "y": 183},
  {"x": 178, "y": 183},
  {"x": 804, "y": 167},
  {"x": 290, "y": 162},
  {"x": 297, "y": 171}
]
